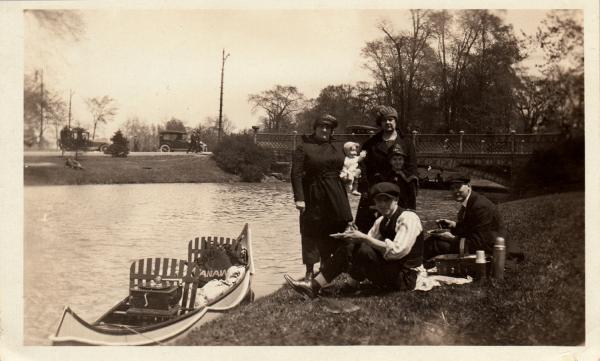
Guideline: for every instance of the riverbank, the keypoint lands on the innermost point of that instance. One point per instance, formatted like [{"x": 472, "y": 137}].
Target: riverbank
[
  {"x": 540, "y": 302},
  {"x": 103, "y": 169}
]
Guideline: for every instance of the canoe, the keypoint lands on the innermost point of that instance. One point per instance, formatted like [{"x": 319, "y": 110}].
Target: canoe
[{"x": 168, "y": 296}]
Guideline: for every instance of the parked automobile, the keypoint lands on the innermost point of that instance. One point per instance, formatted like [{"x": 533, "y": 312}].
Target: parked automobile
[
  {"x": 79, "y": 139},
  {"x": 176, "y": 140},
  {"x": 361, "y": 129}
]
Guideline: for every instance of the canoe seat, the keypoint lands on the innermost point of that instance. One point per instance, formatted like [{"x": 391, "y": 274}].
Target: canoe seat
[{"x": 162, "y": 284}]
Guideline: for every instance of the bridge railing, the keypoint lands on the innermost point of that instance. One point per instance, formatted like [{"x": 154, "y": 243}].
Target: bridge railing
[
  {"x": 483, "y": 143},
  {"x": 283, "y": 145}
]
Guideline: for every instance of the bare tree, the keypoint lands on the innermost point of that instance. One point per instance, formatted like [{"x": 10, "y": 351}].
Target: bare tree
[
  {"x": 280, "y": 104},
  {"x": 102, "y": 109},
  {"x": 63, "y": 23},
  {"x": 41, "y": 107}
]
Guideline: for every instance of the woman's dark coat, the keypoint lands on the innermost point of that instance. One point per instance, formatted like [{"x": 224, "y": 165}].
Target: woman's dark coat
[{"x": 315, "y": 177}]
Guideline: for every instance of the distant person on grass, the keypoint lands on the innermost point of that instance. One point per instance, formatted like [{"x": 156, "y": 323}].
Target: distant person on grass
[
  {"x": 390, "y": 255},
  {"x": 376, "y": 162},
  {"x": 478, "y": 221},
  {"x": 319, "y": 193}
]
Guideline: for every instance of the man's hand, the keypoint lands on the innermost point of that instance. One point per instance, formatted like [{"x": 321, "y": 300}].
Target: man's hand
[
  {"x": 353, "y": 235},
  {"x": 301, "y": 206},
  {"x": 445, "y": 223},
  {"x": 446, "y": 236}
]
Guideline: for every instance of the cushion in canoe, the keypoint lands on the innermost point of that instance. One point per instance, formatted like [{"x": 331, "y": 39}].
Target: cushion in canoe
[
  {"x": 216, "y": 288},
  {"x": 215, "y": 255},
  {"x": 232, "y": 247}
]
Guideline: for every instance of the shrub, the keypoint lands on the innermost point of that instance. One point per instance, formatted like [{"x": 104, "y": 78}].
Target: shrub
[
  {"x": 556, "y": 169},
  {"x": 119, "y": 146},
  {"x": 238, "y": 154}
]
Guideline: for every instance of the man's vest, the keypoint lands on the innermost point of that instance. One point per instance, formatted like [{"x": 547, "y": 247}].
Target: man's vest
[{"x": 414, "y": 258}]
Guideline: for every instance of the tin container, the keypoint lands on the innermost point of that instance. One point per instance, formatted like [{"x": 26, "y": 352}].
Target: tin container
[{"x": 455, "y": 266}]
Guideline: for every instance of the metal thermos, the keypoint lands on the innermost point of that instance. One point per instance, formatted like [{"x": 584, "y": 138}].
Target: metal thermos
[
  {"x": 480, "y": 265},
  {"x": 499, "y": 257}
]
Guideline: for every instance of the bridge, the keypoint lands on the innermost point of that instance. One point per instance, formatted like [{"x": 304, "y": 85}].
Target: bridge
[{"x": 490, "y": 156}]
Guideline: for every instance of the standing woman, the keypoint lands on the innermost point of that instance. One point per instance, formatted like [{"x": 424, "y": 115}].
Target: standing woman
[
  {"x": 319, "y": 193},
  {"x": 377, "y": 163}
]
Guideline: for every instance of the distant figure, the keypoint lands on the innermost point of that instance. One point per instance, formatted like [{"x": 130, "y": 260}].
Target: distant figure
[
  {"x": 446, "y": 145},
  {"x": 70, "y": 162},
  {"x": 193, "y": 143},
  {"x": 350, "y": 172}
]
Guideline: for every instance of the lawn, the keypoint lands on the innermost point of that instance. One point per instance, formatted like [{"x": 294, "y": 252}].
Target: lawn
[
  {"x": 184, "y": 168},
  {"x": 541, "y": 301}
]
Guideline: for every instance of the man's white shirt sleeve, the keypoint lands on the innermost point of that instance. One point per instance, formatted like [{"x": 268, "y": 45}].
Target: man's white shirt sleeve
[{"x": 408, "y": 228}]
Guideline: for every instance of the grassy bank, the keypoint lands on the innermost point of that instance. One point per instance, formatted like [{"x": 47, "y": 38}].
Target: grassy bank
[
  {"x": 540, "y": 302},
  {"x": 184, "y": 168}
]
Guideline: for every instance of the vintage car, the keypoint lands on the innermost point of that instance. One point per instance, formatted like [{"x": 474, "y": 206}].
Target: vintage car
[
  {"x": 176, "y": 140},
  {"x": 361, "y": 129},
  {"x": 79, "y": 139}
]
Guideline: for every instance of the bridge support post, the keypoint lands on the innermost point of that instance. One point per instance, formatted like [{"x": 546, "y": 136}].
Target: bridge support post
[
  {"x": 414, "y": 134},
  {"x": 512, "y": 141},
  {"x": 294, "y": 133}
]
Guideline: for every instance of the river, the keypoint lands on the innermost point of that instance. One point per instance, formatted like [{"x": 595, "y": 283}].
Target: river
[{"x": 80, "y": 240}]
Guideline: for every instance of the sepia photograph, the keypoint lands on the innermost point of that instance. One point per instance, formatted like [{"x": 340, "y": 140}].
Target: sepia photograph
[{"x": 368, "y": 174}]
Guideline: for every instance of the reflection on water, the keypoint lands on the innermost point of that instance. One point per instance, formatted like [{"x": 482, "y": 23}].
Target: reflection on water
[{"x": 80, "y": 240}]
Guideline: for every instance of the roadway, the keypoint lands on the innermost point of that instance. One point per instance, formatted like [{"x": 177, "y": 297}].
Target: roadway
[{"x": 48, "y": 153}]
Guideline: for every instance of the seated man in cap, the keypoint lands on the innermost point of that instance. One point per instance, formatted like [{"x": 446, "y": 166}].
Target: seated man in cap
[
  {"x": 391, "y": 254},
  {"x": 478, "y": 221}
]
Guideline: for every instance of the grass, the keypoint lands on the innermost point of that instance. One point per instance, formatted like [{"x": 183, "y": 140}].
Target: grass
[
  {"x": 139, "y": 169},
  {"x": 541, "y": 301}
]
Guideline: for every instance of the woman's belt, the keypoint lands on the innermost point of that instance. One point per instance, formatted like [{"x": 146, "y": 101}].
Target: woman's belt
[{"x": 327, "y": 174}]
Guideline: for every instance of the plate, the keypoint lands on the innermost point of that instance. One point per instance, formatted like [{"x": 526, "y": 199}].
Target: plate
[
  {"x": 438, "y": 231},
  {"x": 338, "y": 235}
]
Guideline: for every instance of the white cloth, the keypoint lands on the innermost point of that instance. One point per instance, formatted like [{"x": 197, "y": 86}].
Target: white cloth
[
  {"x": 426, "y": 282},
  {"x": 216, "y": 287},
  {"x": 408, "y": 228}
]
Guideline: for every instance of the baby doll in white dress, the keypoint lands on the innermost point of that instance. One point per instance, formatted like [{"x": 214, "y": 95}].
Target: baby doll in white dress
[{"x": 351, "y": 172}]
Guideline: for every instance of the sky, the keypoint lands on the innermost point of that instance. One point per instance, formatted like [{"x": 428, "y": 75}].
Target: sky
[{"x": 159, "y": 64}]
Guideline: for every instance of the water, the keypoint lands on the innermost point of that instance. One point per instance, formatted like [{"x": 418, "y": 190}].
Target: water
[{"x": 81, "y": 240}]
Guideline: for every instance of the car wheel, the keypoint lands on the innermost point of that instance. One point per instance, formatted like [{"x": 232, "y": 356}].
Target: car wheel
[
  {"x": 103, "y": 148},
  {"x": 165, "y": 148}
]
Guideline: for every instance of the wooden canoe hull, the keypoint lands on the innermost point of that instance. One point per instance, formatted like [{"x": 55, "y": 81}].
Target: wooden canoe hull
[{"x": 73, "y": 330}]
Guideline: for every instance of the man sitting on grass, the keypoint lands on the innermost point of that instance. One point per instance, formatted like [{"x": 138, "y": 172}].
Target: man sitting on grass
[
  {"x": 391, "y": 254},
  {"x": 478, "y": 221}
]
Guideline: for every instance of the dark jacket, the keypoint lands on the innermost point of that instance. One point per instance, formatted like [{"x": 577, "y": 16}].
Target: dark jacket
[
  {"x": 377, "y": 163},
  {"x": 408, "y": 187},
  {"x": 374, "y": 167},
  {"x": 315, "y": 177},
  {"x": 481, "y": 224}
]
